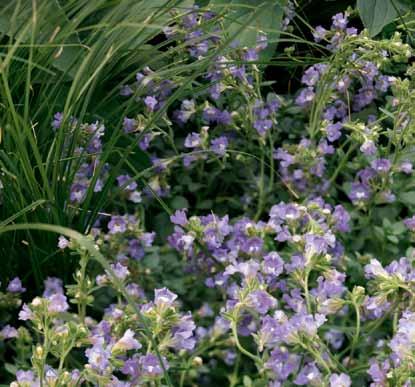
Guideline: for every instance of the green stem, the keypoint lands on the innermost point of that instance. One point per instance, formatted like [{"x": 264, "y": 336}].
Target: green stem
[
  {"x": 357, "y": 332},
  {"x": 261, "y": 193},
  {"x": 256, "y": 359},
  {"x": 306, "y": 290}
]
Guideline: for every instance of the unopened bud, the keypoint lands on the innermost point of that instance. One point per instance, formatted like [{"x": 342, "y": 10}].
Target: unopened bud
[
  {"x": 39, "y": 351},
  {"x": 197, "y": 361}
]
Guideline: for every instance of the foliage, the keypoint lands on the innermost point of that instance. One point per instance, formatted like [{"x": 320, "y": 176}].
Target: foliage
[{"x": 376, "y": 14}]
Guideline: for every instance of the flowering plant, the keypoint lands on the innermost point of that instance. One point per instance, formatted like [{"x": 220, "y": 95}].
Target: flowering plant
[{"x": 232, "y": 232}]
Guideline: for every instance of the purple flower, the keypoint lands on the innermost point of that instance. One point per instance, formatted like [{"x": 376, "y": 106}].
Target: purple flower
[
  {"x": 131, "y": 367},
  {"x": 78, "y": 192},
  {"x": 192, "y": 140},
  {"x": 8, "y": 332},
  {"x": 189, "y": 20},
  {"x": 287, "y": 212},
  {"x": 135, "y": 291},
  {"x": 342, "y": 219},
  {"x": 230, "y": 357},
  {"x": 63, "y": 243},
  {"x": 261, "y": 301},
  {"x": 126, "y": 182},
  {"x": 253, "y": 246},
  {"x": 297, "y": 262},
  {"x": 325, "y": 148},
  {"x": 375, "y": 307},
  {"x": 98, "y": 356},
  {"x": 316, "y": 244},
  {"x": 312, "y": 75},
  {"x": 363, "y": 98},
  {"x": 375, "y": 269},
  {"x": 286, "y": 159},
  {"x": 25, "y": 313},
  {"x": 308, "y": 375},
  {"x": 25, "y": 378},
  {"x": 147, "y": 238},
  {"x": 219, "y": 145},
  {"x": 334, "y": 338},
  {"x": 129, "y": 125},
  {"x": 261, "y": 42},
  {"x": 183, "y": 333},
  {"x": 359, "y": 193},
  {"x": 381, "y": 165},
  {"x": 215, "y": 91},
  {"x": 262, "y": 126},
  {"x": 410, "y": 223},
  {"x": 117, "y": 224},
  {"x": 403, "y": 343},
  {"x": 305, "y": 97},
  {"x": 366, "y": 175},
  {"x": 135, "y": 249},
  {"x": 150, "y": 102},
  {"x": 164, "y": 297},
  {"x": 248, "y": 269},
  {"x": 127, "y": 342},
  {"x": 214, "y": 115},
  {"x": 53, "y": 285},
  {"x": 120, "y": 271},
  {"x": 368, "y": 148},
  {"x": 340, "y": 380},
  {"x": 251, "y": 55},
  {"x": 352, "y": 31},
  {"x": 334, "y": 131},
  {"x": 273, "y": 264},
  {"x": 150, "y": 365},
  {"x": 319, "y": 33},
  {"x": 145, "y": 141},
  {"x": 57, "y": 303},
  {"x": 340, "y": 21},
  {"x": 57, "y": 120},
  {"x": 379, "y": 371},
  {"x": 283, "y": 363},
  {"x": 329, "y": 286},
  {"x": 406, "y": 167},
  {"x": 343, "y": 84},
  {"x": 179, "y": 217},
  {"x": 15, "y": 286}
]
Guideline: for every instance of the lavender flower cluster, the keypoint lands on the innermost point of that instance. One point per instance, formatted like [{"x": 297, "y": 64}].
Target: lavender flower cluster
[{"x": 305, "y": 276}]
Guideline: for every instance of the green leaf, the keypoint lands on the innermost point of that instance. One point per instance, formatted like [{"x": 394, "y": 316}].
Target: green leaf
[
  {"x": 247, "y": 381},
  {"x": 11, "y": 368},
  {"x": 407, "y": 198},
  {"x": 179, "y": 202},
  {"x": 377, "y": 14},
  {"x": 265, "y": 16},
  {"x": 398, "y": 228},
  {"x": 393, "y": 239}
]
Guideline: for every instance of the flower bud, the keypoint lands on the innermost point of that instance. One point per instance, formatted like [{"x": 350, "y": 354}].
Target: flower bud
[
  {"x": 197, "y": 361},
  {"x": 39, "y": 352}
]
